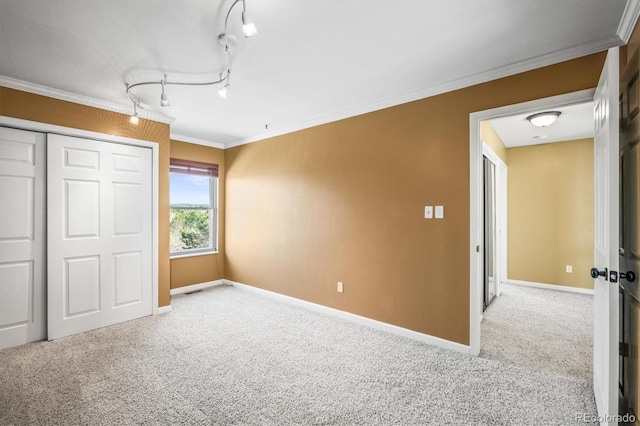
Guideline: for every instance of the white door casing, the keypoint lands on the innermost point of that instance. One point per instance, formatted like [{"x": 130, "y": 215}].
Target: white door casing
[
  {"x": 22, "y": 237},
  {"x": 99, "y": 234},
  {"x": 606, "y": 240},
  {"x": 475, "y": 196}
]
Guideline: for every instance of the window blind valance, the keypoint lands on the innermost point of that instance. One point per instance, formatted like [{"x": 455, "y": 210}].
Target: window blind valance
[{"x": 188, "y": 167}]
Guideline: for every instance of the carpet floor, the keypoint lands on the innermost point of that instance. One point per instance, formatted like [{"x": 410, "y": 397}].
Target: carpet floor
[
  {"x": 541, "y": 329},
  {"x": 227, "y": 356}
]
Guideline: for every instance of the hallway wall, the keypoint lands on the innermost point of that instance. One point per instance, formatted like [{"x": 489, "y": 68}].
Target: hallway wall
[{"x": 550, "y": 213}]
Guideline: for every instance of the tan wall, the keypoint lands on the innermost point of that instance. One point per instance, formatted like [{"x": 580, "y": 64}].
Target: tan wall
[
  {"x": 27, "y": 106},
  {"x": 344, "y": 202},
  {"x": 491, "y": 138},
  {"x": 550, "y": 219},
  {"x": 200, "y": 269}
]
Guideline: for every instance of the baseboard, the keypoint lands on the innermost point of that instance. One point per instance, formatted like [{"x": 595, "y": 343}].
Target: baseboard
[
  {"x": 551, "y": 287},
  {"x": 194, "y": 287},
  {"x": 163, "y": 310},
  {"x": 378, "y": 325}
]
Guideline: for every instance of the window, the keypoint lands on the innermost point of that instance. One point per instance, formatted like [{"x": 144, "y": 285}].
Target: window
[{"x": 193, "y": 222}]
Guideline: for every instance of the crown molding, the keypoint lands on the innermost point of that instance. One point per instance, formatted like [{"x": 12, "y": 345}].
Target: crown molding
[
  {"x": 629, "y": 20},
  {"x": 197, "y": 141},
  {"x": 62, "y": 95},
  {"x": 493, "y": 74}
]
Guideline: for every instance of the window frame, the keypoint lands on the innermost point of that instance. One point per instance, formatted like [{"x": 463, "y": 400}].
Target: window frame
[{"x": 213, "y": 204}]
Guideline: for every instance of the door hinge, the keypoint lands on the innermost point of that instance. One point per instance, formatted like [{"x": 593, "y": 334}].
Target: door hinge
[{"x": 623, "y": 349}]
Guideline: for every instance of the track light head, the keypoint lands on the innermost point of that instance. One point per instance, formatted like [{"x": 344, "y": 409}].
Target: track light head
[
  {"x": 164, "y": 101},
  {"x": 134, "y": 118},
  {"x": 224, "y": 90},
  {"x": 248, "y": 28}
]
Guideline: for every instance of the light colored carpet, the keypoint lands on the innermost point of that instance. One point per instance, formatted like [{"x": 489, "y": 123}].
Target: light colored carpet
[
  {"x": 541, "y": 329},
  {"x": 228, "y": 356}
]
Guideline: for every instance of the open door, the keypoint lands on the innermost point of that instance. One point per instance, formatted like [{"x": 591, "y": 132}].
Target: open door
[{"x": 606, "y": 241}]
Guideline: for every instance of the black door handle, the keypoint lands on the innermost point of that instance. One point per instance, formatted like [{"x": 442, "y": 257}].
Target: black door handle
[
  {"x": 629, "y": 276},
  {"x": 595, "y": 273}
]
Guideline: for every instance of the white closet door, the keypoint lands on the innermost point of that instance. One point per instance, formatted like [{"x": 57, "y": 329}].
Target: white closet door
[
  {"x": 22, "y": 237},
  {"x": 99, "y": 234}
]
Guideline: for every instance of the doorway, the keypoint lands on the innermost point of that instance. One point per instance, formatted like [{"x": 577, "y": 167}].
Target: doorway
[{"x": 477, "y": 228}]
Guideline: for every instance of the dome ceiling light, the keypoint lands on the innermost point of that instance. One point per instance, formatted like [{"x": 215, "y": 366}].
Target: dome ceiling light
[{"x": 544, "y": 119}]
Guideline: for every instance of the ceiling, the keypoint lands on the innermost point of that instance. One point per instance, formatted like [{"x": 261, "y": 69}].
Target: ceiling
[
  {"x": 574, "y": 122},
  {"x": 311, "y": 62}
]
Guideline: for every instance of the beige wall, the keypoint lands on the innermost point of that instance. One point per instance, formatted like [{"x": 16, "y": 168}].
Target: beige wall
[
  {"x": 550, "y": 213},
  {"x": 27, "y": 106},
  {"x": 491, "y": 138},
  {"x": 201, "y": 269},
  {"x": 344, "y": 202}
]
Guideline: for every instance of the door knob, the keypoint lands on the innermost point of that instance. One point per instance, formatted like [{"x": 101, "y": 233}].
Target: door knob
[
  {"x": 595, "y": 273},
  {"x": 629, "y": 276}
]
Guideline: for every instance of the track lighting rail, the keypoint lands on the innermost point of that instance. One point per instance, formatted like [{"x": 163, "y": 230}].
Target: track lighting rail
[{"x": 225, "y": 40}]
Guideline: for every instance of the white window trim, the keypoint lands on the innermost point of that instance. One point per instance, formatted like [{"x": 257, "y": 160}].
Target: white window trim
[{"x": 213, "y": 225}]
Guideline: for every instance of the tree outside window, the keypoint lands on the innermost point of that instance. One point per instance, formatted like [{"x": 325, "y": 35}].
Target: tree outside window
[{"x": 193, "y": 213}]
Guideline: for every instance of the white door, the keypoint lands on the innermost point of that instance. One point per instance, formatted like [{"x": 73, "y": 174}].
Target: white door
[
  {"x": 22, "y": 237},
  {"x": 99, "y": 234},
  {"x": 605, "y": 348}
]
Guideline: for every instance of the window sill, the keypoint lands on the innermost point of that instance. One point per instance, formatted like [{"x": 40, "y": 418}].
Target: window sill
[{"x": 200, "y": 253}]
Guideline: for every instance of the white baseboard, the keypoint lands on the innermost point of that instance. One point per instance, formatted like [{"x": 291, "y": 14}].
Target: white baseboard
[
  {"x": 551, "y": 287},
  {"x": 378, "y": 325},
  {"x": 194, "y": 287},
  {"x": 163, "y": 310}
]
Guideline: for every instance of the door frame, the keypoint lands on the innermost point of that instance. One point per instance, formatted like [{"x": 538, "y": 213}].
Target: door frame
[
  {"x": 155, "y": 156},
  {"x": 476, "y": 214}
]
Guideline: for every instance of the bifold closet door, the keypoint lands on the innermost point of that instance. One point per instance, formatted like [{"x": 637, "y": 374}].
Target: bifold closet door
[
  {"x": 22, "y": 237},
  {"x": 99, "y": 209}
]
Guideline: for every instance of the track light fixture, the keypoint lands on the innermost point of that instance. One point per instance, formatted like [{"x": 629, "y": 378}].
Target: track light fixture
[{"x": 226, "y": 40}]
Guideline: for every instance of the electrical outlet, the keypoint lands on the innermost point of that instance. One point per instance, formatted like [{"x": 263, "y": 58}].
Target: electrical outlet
[
  {"x": 439, "y": 212},
  {"x": 340, "y": 287},
  {"x": 569, "y": 269}
]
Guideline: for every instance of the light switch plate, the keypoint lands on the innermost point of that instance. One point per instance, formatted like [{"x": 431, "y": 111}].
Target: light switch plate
[
  {"x": 439, "y": 212},
  {"x": 428, "y": 212}
]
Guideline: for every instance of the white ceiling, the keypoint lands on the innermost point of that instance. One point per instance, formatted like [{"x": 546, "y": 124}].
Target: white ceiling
[
  {"x": 311, "y": 62},
  {"x": 575, "y": 122}
]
